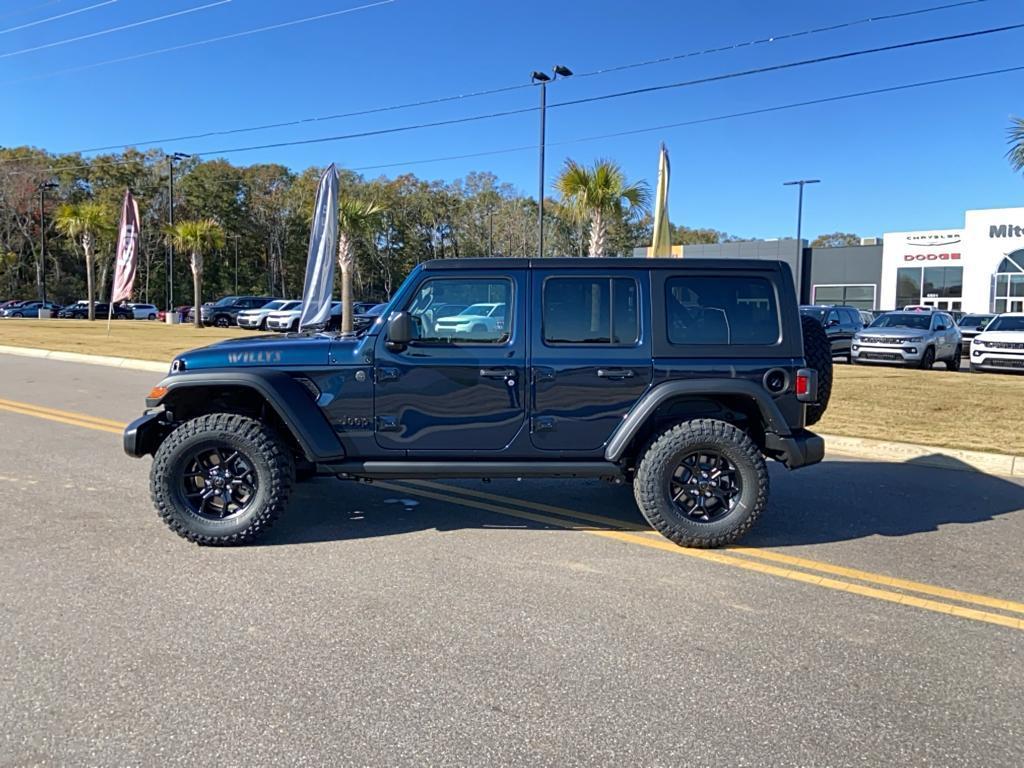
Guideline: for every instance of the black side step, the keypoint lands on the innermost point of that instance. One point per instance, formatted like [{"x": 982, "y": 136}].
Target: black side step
[{"x": 458, "y": 469}]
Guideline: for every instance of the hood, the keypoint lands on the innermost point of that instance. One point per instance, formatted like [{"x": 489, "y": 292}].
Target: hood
[
  {"x": 1016, "y": 337},
  {"x": 263, "y": 351},
  {"x": 889, "y": 333}
]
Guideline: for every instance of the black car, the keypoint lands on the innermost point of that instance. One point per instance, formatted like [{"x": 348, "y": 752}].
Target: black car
[
  {"x": 223, "y": 313},
  {"x": 80, "y": 311},
  {"x": 679, "y": 376},
  {"x": 840, "y": 324},
  {"x": 972, "y": 325}
]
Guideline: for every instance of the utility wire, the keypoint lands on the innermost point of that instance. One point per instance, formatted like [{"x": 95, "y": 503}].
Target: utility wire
[
  {"x": 486, "y": 92},
  {"x": 23, "y": 11},
  {"x": 58, "y": 16},
  {"x": 651, "y": 129},
  {"x": 702, "y": 120},
  {"x": 111, "y": 30},
  {"x": 218, "y": 39}
]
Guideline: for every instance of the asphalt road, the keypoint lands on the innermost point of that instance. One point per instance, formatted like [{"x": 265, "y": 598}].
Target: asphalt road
[{"x": 867, "y": 620}]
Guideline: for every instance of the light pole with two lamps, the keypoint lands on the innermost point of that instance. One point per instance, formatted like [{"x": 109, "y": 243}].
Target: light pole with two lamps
[
  {"x": 542, "y": 79},
  {"x": 41, "y": 264},
  {"x": 799, "y": 233}
]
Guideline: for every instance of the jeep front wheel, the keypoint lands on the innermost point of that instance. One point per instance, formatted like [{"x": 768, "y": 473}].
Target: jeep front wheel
[
  {"x": 221, "y": 479},
  {"x": 702, "y": 483}
]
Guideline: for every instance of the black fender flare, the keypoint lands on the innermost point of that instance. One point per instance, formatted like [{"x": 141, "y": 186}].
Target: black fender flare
[
  {"x": 774, "y": 421},
  {"x": 290, "y": 400}
]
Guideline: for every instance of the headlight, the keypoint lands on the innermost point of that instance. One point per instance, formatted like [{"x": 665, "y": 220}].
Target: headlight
[
  {"x": 914, "y": 340},
  {"x": 978, "y": 343}
]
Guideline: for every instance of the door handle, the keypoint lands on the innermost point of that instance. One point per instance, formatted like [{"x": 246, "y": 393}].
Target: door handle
[
  {"x": 497, "y": 373},
  {"x": 615, "y": 373}
]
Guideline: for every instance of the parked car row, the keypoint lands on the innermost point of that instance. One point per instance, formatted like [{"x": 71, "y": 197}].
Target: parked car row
[{"x": 920, "y": 336}]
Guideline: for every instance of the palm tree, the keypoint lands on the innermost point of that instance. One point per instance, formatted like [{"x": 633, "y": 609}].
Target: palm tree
[
  {"x": 598, "y": 194},
  {"x": 196, "y": 237},
  {"x": 356, "y": 219},
  {"x": 1016, "y": 136},
  {"x": 85, "y": 223}
]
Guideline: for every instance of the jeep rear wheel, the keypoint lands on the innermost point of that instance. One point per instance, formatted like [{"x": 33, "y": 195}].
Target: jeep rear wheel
[
  {"x": 702, "y": 483},
  {"x": 221, "y": 479},
  {"x": 818, "y": 355}
]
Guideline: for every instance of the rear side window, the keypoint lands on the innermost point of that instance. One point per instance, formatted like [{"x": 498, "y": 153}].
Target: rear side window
[
  {"x": 721, "y": 310},
  {"x": 590, "y": 310}
]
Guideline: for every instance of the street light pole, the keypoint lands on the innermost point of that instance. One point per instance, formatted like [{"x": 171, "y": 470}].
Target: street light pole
[
  {"x": 41, "y": 264},
  {"x": 542, "y": 78},
  {"x": 170, "y": 221},
  {"x": 799, "y": 232},
  {"x": 235, "y": 238},
  {"x": 490, "y": 231}
]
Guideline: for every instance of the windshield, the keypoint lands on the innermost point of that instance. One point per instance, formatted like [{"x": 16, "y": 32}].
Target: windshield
[
  {"x": 478, "y": 310},
  {"x": 972, "y": 321},
  {"x": 816, "y": 312},
  {"x": 277, "y": 304},
  {"x": 1007, "y": 323},
  {"x": 376, "y": 309},
  {"x": 903, "y": 320},
  {"x": 226, "y": 301}
]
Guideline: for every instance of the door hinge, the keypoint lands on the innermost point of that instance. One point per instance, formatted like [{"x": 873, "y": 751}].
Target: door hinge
[
  {"x": 387, "y": 374},
  {"x": 387, "y": 424},
  {"x": 543, "y": 423},
  {"x": 543, "y": 374}
]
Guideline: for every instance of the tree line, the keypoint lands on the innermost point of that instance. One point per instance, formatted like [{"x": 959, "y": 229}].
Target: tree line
[{"x": 256, "y": 223}]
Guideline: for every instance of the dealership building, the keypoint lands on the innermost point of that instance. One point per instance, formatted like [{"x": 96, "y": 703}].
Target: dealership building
[{"x": 978, "y": 267}]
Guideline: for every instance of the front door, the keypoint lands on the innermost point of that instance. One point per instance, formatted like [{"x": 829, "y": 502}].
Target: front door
[
  {"x": 590, "y": 358},
  {"x": 460, "y": 386}
]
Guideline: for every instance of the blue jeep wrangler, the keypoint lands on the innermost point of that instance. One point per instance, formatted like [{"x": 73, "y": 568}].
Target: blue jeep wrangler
[{"x": 678, "y": 376}]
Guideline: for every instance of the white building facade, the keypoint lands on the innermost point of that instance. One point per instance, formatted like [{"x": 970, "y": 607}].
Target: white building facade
[{"x": 977, "y": 268}]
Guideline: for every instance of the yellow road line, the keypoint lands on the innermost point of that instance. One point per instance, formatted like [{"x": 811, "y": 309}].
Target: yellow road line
[
  {"x": 50, "y": 416},
  {"x": 47, "y": 411},
  {"x": 716, "y": 556},
  {"x": 763, "y": 554}
]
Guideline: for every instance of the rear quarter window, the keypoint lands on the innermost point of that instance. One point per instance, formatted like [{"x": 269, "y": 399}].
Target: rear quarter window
[{"x": 728, "y": 310}]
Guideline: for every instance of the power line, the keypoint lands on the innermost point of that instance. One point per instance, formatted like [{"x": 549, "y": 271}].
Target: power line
[
  {"x": 618, "y": 94},
  {"x": 777, "y": 38},
  {"x": 58, "y": 16},
  {"x": 111, "y": 30},
  {"x": 23, "y": 11},
  {"x": 702, "y": 120},
  {"x": 486, "y": 92},
  {"x": 218, "y": 39}
]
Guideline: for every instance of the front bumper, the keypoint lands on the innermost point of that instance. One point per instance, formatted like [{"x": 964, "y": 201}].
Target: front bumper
[
  {"x": 893, "y": 354},
  {"x": 143, "y": 436},
  {"x": 1002, "y": 360},
  {"x": 801, "y": 449},
  {"x": 248, "y": 322}
]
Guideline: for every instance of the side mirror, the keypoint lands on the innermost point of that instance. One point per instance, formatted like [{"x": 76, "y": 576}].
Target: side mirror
[{"x": 399, "y": 331}]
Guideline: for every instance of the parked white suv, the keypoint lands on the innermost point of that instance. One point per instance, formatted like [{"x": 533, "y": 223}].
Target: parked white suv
[
  {"x": 143, "y": 311},
  {"x": 256, "y": 319},
  {"x": 1000, "y": 347},
  {"x": 288, "y": 320},
  {"x": 477, "y": 320},
  {"x": 913, "y": 338}
]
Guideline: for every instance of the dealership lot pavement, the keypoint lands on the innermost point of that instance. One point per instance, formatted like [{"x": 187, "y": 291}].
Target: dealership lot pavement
[{"x": 868, "y": 619}]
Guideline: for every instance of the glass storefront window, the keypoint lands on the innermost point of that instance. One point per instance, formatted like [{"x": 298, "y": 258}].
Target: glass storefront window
[
  {"x": 908, "y": 286},
  {"x": 859, "y": 296},
  {"x": 943, "y": 282}
]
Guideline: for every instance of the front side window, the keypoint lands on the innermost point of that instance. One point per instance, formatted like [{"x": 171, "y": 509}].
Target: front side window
[
  {"x": 721, "y": 310},
  {"x": 590, "y": 310},
  {"x": 462, "y": 311}
]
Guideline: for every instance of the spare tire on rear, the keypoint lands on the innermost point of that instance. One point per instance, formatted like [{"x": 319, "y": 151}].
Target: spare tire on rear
[{"x": 818, "y": 355}]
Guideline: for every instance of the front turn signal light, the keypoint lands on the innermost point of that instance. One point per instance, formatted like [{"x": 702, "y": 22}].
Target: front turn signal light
[{"x": 157, "y": 393}]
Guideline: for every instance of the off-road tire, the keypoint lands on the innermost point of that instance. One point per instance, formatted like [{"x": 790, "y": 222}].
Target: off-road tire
[
  {"x": 818, "y": 355},
  {"x": 953, "y": 364},
  {"x": 272, "y": 462},
  {"x": 928, "y": 359},
  {"x": 660, "y": 459}
]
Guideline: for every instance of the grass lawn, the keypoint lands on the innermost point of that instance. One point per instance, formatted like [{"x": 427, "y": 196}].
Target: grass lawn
[
  {"x": 978, "y": 412},
  {"x": 142, "y": 339},
  {"x": 953, "y": 410}
]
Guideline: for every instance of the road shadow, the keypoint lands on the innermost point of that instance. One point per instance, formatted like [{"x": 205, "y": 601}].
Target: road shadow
[{"x": 832, "y": 502}]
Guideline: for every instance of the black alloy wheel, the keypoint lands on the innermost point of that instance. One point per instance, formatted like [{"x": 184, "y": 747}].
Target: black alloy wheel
[
  {"x": 222, "y": 321},
  {"x": 219, "y": 483},
  {"x": 705, "y": 486}
]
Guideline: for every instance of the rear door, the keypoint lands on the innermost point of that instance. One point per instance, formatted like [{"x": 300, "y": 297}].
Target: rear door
[{"x": 590, "y": 355}]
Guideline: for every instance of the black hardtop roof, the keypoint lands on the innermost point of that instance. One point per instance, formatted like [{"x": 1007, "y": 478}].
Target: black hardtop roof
[{"x": 504, "y": 262}]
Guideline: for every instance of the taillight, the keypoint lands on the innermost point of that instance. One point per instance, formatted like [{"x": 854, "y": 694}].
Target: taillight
[{"x": 803, "y": 384}]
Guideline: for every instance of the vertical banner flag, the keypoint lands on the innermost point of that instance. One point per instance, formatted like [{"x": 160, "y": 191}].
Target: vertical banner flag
[
  {"x": 661, "y": 244},
  {"x": 127, "y": 250},
  {"x": 323, "y": 238}
]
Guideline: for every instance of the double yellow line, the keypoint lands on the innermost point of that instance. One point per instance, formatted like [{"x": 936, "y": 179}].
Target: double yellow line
[
  {"x": 63, "y": 417},
  {"x": 765, "y": 561},
  {"x": 864, "y": 583}
]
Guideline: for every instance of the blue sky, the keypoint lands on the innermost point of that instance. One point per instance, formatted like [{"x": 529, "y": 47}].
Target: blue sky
[{"x": 898, "y": 161}]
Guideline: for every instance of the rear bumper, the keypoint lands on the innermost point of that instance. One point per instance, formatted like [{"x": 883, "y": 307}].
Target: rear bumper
[
  {"x": 801, "y": 449},
  {"x": 143, "y": 436}
]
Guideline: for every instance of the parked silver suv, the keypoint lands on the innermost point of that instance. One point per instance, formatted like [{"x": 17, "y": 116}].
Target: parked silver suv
[{"x": 909, "y": 338}]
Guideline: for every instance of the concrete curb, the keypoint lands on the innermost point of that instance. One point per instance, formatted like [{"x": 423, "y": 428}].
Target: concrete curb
[
  {"x": 76, "y": 357},
  {"x": 926, "y": 455}
]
